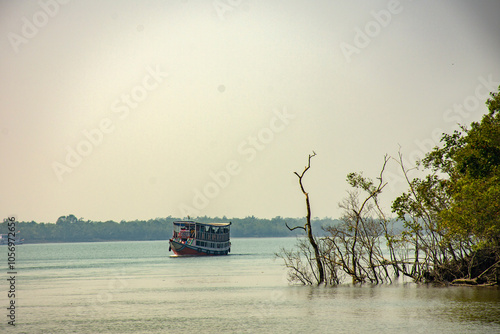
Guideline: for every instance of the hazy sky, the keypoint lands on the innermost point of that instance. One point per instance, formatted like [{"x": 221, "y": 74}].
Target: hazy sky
[{"x": 142, "y": 109}]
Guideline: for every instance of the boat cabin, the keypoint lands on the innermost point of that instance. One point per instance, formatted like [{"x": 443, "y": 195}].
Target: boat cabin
[{"x": 193, "y": 238}]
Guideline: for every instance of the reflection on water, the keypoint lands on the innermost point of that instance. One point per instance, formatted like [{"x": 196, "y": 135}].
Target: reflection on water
[{"x": 136, "y": 287}]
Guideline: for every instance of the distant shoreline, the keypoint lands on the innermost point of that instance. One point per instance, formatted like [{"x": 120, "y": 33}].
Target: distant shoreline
[
  {"x": 69, "y": 229},
  {"x": 166, "y": 240}
]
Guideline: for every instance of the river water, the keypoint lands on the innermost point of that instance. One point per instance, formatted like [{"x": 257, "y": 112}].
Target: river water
[{"x": 137, "y": 287}]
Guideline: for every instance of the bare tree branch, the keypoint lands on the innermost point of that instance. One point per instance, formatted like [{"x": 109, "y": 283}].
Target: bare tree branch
[
  {"x": 294, "y": 228},
  {"x": 307, "y": 226}
]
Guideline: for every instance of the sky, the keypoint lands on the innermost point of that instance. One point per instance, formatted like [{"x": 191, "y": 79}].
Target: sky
[{"x": 124, "y": 110}]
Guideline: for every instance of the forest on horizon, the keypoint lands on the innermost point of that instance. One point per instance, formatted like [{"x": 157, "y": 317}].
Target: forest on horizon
[{"x": 72, "y": 229}]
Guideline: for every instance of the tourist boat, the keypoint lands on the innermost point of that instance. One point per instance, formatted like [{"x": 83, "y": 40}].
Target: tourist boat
[
  {"x": 193, "y": 238},
  {"x": 4, "y": 239}
]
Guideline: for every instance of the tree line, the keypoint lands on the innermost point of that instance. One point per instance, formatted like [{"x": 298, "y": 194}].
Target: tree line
[
  {"x": 72, "y": 229},
  {"x": 450, "y": 216}
]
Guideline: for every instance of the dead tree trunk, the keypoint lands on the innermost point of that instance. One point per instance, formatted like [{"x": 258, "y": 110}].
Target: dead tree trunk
[{"x": 307, "y": 227}]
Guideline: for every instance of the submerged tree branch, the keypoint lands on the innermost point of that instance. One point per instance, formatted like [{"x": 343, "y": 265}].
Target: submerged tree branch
[{"x": 307, "y": 226}]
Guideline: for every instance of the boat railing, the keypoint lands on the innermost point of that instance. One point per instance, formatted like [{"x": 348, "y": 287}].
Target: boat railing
[{"x": 212, "y": 236}]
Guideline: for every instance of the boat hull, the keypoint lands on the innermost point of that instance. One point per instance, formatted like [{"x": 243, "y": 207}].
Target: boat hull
[{"x": 185, "y": 249}]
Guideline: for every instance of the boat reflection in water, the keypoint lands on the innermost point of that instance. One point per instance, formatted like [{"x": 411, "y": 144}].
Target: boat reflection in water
[{"x": 197, "y": 239}]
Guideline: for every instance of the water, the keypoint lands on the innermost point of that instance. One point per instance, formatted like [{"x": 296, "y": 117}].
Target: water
[{"x": 136, "y": 287}]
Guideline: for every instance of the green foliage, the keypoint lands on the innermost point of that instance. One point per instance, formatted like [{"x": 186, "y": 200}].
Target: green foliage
[
  {"x": 65, "y": 220},
  {"x": 462, "y": 197},
  {"x": 480, "y": 157},
  {"x": 476, "y": 208},
  {"x": 356, "y": 180},
  {"x": 475, "y": 192},
  {"x": 452, "y": 216},
  {"x": 426, "y": 198}
]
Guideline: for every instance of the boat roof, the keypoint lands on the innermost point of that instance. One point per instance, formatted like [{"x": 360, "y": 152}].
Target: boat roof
[{"x": 208, "y": 224}]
